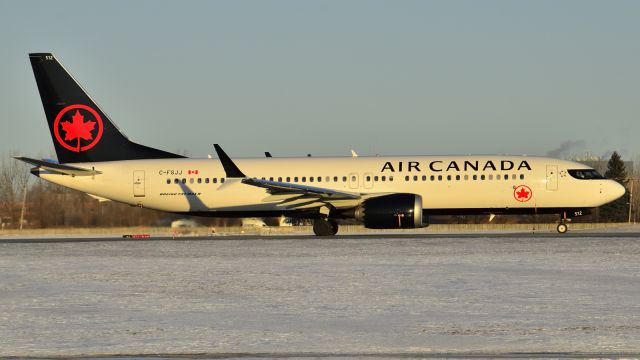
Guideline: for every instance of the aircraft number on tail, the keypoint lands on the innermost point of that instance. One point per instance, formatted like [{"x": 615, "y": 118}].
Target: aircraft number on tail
[{"x": 48, "y": 57}]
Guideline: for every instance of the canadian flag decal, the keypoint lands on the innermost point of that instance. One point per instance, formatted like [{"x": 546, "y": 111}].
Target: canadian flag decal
[{"x": 192, "y": 172}]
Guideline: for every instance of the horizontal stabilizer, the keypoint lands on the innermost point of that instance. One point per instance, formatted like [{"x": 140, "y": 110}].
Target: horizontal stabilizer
[
  {"x": 60, "y": 168},
  {"x": 100, "y": 199}
]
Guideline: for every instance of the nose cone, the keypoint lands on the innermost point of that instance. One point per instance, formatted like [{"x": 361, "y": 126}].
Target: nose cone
[{"x": 616, "y": 190}]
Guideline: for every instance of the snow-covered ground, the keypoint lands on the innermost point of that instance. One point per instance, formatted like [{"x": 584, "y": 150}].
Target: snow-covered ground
[{"x": 321, "y": 295}]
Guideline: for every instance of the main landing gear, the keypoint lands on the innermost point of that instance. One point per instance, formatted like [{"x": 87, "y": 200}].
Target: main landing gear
[
  {"x": 562, "y": 226},
  {"x": 325, "y": 227}
]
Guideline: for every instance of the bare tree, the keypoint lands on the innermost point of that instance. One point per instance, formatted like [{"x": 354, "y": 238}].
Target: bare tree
[{"x": 14, "y": 184}]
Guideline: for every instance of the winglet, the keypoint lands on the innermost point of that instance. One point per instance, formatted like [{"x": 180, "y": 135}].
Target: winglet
[{"x": 229, "y": 166}]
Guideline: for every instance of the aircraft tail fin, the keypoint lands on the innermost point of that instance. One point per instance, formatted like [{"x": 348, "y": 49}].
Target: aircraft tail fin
[{"x": 81, "y": 131}]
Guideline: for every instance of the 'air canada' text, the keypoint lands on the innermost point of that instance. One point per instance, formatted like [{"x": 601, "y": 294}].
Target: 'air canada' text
[{"x": 438, "y": 166}]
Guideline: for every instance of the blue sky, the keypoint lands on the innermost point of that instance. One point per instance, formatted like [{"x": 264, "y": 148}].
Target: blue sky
[{"x": 298, "y": 77}]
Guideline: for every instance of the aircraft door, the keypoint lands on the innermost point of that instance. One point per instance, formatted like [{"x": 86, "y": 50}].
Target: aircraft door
[
  {"x": 138, "y": 183},
  {"x": 552, "y": 177},
  {"x": 368, "y": 180},
  {"x": 353, "y": 180}
]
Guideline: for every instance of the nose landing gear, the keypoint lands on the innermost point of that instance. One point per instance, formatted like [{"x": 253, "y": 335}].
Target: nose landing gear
[{"x": 562, "y": 226}]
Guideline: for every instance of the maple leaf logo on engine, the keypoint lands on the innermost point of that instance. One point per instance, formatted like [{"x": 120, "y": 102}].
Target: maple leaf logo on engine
[{"x": 79, "y": 123}]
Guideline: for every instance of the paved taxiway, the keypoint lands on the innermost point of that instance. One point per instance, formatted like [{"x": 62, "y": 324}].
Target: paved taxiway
[
  {"x": 380, "y": 236},
  {"x": 392, "y": 295}
]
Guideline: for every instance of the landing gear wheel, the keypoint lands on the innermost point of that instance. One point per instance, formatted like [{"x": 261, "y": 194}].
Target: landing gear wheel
[
  {"x": 562, "y": 228},
  {"x": 333, "y": 227},
  {"x": 324, "y": 227}
]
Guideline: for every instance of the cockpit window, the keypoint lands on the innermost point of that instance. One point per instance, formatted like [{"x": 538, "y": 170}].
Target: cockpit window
[{"x": 585, "y": 174}]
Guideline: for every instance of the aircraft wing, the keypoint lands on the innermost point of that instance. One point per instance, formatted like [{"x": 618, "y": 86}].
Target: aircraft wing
[
  {"x": 282, "y": 188},
  {"x": 60, "y": 168},
  {"x": 292, "y": 196}
]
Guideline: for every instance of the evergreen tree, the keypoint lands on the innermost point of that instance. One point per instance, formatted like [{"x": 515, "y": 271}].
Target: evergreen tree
[{"x": 616, "y": 211}]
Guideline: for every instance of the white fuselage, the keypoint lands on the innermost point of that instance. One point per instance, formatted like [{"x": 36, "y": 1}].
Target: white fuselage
[{"x": 444, "y": 182}]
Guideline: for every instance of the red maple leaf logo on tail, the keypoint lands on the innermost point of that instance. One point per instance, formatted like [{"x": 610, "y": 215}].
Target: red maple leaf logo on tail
[
  {"x": 78, "y": 129},
  {"x": 88, "y": 132}
]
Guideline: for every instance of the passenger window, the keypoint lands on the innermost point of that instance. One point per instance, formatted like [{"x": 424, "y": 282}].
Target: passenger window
[
  {"x": 498, "y": 177},
  {"x": 184, "y": 181},
  {"x": 384, "y": 178},
  {"x": 335, "y": 179},
  {"x": 199, "y": 180},
  {"x": 482, "y": 177},
  {"x": 206, "y": 180},
  {"x": 475, "y": 177},
  {"x": 506, "y": 177},
  {"x": 439, "y": 177},
  {"x": 491, "y": 177},
  {"x": 448, "y": 177},
  {"x": 215, "y": 180},
  {"x": 375, "y": 178},
  {"x": 458, "y": 177},
  {"x": 424, "y": 177},
  {"x": 327, "y": 179},
  {"x": 295, "y": 179},
  {"x": 271, "y": 178},
  {"x": 264, "y": 178},
  {"x": 406, "y": 178},
  {"x": 168, "y": 181},
  {"x": 513, "y": 176},
  {"x": 521, "y": 176},
  {"x": 390, "y": 177},
  {"x": 222, "y": 180},
  {"x": 415, "y": 178},
  {"x": 344, "y": 179},
  {"x": 319, "y": 178},
  {"x": 310, "y": 178},
  {"x": 368, "y": 178},
  {"x": 279, "y": 179},
  {"x": 466, "y": 177},
  {"x": 176, "y": 181},
  {"x": 304, "y": 179},
  {"x": 433, "y": 178},
  {"x": 353, "y": 179},
  {"x": 288, "y": 179}
]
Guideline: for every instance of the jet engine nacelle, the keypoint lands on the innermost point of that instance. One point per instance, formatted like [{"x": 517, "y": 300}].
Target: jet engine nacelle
[{"x": 395, "y": 211}]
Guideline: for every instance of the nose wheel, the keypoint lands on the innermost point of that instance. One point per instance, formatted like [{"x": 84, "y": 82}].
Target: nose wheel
[
  {"x": 562, "y": 228},
  {"x": 325, "y": 227}
]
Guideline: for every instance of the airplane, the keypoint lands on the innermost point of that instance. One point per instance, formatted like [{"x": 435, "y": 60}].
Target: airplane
[{"x": 381, "y": 192}]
